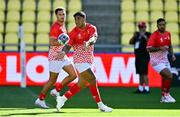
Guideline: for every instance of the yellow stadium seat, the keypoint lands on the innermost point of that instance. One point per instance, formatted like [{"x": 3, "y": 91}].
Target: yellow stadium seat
[
  {"x": 29, "y": 27},
  {"x": 170, "y": 5},
  {"x": 59, "y": 3},
  {"x": 153, "y": 27},
  {"x": 2, "y": 5},
  {"x": 142, "y": 16},
  {"x": 171, "y": 16},
  {"x": 141, "y": 5},
  {"x": 12, "y": 27},
  {"x": 70, "y": 16},
  {"x": 70, "y": 26},
  {"x": 29, "y": 40},
  {"x": 127, "y": 28},
  {"x": 14, "y": 5},
  {"x": 2, "y": 16},
  {"x": 175, "y": 39},
  {"x": 1, "y": 42},
  {"x": 28, "y": 16},
  {"x": 44, "y": 5},
  {"x": 54, "y": 17},
  {"x": 43, "y": 27},
  {"x": 13, "y": 16},
  {"x": 42, "y": 39},
  {"x": 156, "y": 5},
  {"x": 29, "y": 5},
  {"x": 125, "y": 43},
  {"x": 74, "y": 5},
  {"x": 1, "y": 27},
  {"x": 11, "y": 38},
  {"x": 172, "y": 27},
  {"x": 127, "y": 16},
  {"x": 154, "y": 15},
  {"x": 44, "y": 16},
  {"x": 127, "y": 5}
]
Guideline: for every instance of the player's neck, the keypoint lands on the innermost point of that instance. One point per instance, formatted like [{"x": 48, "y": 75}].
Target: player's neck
[
  {"x": 60, "y": 23},
  {"x": 83, "y": 26}
]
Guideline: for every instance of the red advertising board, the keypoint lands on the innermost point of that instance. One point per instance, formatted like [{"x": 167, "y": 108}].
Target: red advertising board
[{"x": 110, "y": 69}]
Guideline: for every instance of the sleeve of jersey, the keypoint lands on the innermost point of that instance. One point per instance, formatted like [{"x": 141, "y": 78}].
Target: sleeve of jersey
[
  {"x": 93, "y": 31},
  {"x": 151, "y": 41},
  {"x": 71, "y": 37},
  {"x": 54, "y": 32}
]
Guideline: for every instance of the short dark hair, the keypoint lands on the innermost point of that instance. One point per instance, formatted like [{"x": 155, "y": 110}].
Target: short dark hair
[
  {"x": 59, "y": 9},
  {"x": 80, "y": 13},
  {"x": 160, "y": 20}
]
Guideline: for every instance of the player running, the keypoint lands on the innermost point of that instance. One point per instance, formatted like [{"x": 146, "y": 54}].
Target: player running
[
  {"x": 159, "y": 45},
  {"x": 82, "y": 39}
]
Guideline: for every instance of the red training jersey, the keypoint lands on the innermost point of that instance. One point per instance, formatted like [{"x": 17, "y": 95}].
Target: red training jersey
[
  {"x": 55, "y": 31},
  {"x": 158, "y": 39},
  {"x": 77, "y": 38}
]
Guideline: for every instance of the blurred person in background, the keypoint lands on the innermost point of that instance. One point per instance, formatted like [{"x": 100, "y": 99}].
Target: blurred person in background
[
  {"x": 159, "y": 46},
  {"x": 82, "y": 38},
  {"x": 139, "y": 40}
]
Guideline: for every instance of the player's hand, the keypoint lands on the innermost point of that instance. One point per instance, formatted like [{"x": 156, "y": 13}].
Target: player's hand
[
  {"x": 164, "y": 48},
  {"x": 173, "y": 57},
  {"x": 61, "y": 54},
  {"x": 86, "y": 45}
]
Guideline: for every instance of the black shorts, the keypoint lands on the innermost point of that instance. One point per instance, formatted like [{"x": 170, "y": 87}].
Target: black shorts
[{"x": 141, "y": 64}]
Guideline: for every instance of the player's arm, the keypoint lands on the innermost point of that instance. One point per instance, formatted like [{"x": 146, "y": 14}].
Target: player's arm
[
  {"x": 93, "y": 36},
  {"x": 171, "y": 52},
  {"x": 54, "y": 42},
  {"x": 66, "y": 49}
]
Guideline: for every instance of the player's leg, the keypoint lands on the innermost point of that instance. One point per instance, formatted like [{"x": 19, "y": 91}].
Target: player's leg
[
  {"x": 166, "y": 85},
  {"x": 89, "y": 76},
  {"x": 40, "y": 101},
  {"x": 146, "y": 82},
  {"x": 71, "y": 76}
]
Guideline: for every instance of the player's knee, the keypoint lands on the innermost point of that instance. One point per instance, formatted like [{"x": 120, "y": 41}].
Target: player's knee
[{"x": 73, "y": 76}]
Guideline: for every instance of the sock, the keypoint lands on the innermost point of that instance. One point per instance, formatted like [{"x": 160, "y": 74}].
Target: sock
[
  {"x": 72, "y": 91},
  {"x": 59, "y": 86},
  {"x": 100, "y": 104},
  {"x": 140, "y": 88},
  {"x": 146, "y": 88},
  {"x": 95, "y": 93},
  {"x": 42, "y": 96},
  {"x": 166, "y": 84}
]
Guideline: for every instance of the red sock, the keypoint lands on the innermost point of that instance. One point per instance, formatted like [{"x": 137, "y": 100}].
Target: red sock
[
  {"x": 166, "y": 84},
  {"x": 42, "y": 96},
  {"x": 95, "y": 93},
  {"x": 59, "y": 86},
  {"x": 72, "y": 91}
]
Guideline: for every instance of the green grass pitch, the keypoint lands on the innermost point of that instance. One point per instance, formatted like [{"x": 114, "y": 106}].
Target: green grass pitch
[{"x": 18, "y": 102}]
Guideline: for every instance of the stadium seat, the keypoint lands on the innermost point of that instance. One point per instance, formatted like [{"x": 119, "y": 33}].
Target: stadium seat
[
  {"x": 42, "y": 39},
  {"x": 170, "y": 5},
  {"x": 28, "y": 16},
  {"x": 44, "y": 16},
  {"x": 1, "y": 27},
  {"x": 2, "y": 5},
  {"x": 175, "y": 39},
  {"x": 70, "y": 26},
  {"x": 75, "y": 5},
  {"x": 127, "y": 28},
  {"x": 70, "y": 17},
  {"x": 44, "y": 5},
  {"x": 154, "y": 15},
  {"x": 141, "y": 5},
  {"x": 2, "y": 16},
  {"x": 142, "y": 16},
  {"x": 172, "y": 27},
  {"x": 29, "y": 27},
  {"x": 14, "y": 5},
  {"x": 153, "y": 26},
  {"x": 13, "y": 16},
  {"x": 12, "y": 27},
  {"x": 156, "y": 5},
  {"x": 59, "y": 3},
  {"x": 29, "y": 5},
  {"x": 125, "y": 38},
  {"x": 1, "y": 41},
  {"x": 29, "y": 40},
  {"x": 127, "y": 16},
  {"x": 43, "y": 27},
  {"x": 127, "y": 5},
  {"x": 11, "y": 38},
  {"x": 171, "y": 16}
]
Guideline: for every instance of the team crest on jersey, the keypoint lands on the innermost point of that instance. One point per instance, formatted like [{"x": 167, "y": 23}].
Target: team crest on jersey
[{"x": 79, "y": 36}]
